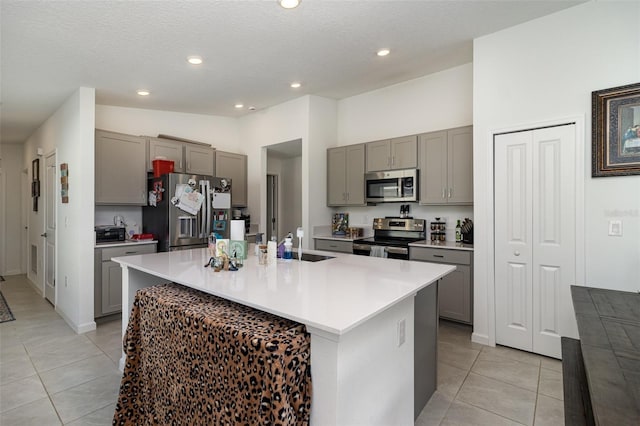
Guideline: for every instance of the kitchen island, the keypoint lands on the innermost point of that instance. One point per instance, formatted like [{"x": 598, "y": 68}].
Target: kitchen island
[{"x": 359, "y": 311}]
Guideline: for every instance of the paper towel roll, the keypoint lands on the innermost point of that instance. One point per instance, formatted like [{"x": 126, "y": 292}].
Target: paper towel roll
[{"x": 237, "y": 230}]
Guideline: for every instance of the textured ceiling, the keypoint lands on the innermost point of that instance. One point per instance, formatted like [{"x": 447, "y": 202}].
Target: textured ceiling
[{"x": 252, "y": 50}]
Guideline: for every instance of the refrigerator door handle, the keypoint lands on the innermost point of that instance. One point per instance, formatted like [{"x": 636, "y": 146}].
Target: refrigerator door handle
[{"x": 206, "y": 205}]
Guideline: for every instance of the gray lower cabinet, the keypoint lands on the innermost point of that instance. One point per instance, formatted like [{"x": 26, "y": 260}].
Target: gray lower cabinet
[
  {"x": 120, "y": 178},
  {"x": 345, "y": 176},
  {"x": 334, "y": 245},
  {"x": 107, "y": 280},
  {"x": 455, "y": 291},
  {"x": 446, "y": 167},
  {"x": 234, "y": 166}
]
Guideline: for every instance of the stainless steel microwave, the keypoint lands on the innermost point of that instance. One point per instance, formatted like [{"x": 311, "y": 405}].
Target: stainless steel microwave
[{"x": 391, "y": 186}]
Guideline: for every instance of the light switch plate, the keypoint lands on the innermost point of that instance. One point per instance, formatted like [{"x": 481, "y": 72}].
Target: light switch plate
[{"x": 615, "y": 228}]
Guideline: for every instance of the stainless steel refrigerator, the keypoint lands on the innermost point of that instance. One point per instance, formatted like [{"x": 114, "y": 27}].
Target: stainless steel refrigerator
[{"x": 183, "y": 210}]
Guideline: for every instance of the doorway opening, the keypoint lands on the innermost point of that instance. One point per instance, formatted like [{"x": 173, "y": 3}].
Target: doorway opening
[{"x": 272, "y": 207}]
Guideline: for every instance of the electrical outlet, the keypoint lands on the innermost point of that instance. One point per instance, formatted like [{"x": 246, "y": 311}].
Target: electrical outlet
[
  {"x": 402, "y": 336},
  {"x": 615, "y": 228}
]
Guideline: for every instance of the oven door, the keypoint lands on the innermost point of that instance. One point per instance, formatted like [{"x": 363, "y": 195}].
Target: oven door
[{"x": 391, "y": 251}]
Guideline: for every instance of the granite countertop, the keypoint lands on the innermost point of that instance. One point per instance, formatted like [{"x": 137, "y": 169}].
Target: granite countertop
[
  {"x": 125, "y": 243},
  {"x": 356, "y": 288},
  {"x": 609, "y": 328},
  {"x": 450, "y": 245}
]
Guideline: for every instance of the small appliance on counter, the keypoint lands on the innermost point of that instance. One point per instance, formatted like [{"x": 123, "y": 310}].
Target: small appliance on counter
[
  {"x": 110, "y": 233},
  {"x": 467, "y": 231}
]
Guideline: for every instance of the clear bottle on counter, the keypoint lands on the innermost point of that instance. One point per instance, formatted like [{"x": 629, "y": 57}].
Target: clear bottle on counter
[
  {"x": 458, "y": 232},
  {"x": 288, "y": 249}
]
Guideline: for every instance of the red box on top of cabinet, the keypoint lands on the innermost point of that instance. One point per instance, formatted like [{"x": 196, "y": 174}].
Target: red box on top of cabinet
[{"x": 162, "y": 167}]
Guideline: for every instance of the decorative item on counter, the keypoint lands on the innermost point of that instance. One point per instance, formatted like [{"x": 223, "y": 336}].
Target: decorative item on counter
[
  {"x": 212, "y": 245},
  {"x": 258, "y": 243},
  {"x": 238, "y": 249},
  {"x": 438, "y": 231},
  {"x": 222, "y": 247},
  {"x": 339, "y": 224},
  {"x": 263, "y": 257}
]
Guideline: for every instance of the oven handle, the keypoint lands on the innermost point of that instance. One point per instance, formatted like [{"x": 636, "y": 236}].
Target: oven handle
[
  {"x": 397, "y": 250},
  {"x": 362, "y": 247}
]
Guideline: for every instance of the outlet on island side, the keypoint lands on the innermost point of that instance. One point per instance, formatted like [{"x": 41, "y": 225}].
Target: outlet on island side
[{"x": 401, "y": 332}]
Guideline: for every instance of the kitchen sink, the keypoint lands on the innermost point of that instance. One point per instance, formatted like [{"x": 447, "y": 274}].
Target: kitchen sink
[{"x": 309, "y": 257}]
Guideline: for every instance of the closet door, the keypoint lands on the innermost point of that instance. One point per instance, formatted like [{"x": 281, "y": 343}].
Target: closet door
[
  {"x": 513, "y": 197},
  {"x": 534, "y": 212},
  {"x": 554, "y": 237}
]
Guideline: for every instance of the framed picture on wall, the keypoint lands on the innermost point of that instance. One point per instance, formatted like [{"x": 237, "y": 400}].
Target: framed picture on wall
[
  {"x": 616, "y": 131},
  {"x": 35, "y": 182}
]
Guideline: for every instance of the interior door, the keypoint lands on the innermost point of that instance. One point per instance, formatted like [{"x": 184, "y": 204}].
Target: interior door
[
  {"x": 50, "y": 229},
  {"x": 513, "y": 249},
  {"x": 535, "y": 238},
  {"x": 272, "y": 206}
]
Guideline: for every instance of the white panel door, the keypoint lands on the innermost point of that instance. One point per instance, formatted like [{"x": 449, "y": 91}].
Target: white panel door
[
  {"x": 513, "y": 248},
  {"x": 534, "y": 215},
  {"x": 553, "y": 238},
  {"x": 50, "y": 229}
]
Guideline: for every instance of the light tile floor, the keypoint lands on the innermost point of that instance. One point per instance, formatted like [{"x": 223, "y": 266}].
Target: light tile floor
[{"x": 49, "y": 375}]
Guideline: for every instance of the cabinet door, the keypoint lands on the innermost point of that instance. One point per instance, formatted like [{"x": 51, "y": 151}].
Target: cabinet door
[
  {"x": 378, "y": 155},
  {"x": 460, "y": 165},
  {"x": 111, "y": 287},
  {"x": 454, "y": 295},
  {"x": 333, "y": 245},
  {"x": 119, "y": 163},
  {"x": 336, "y": 184},
  {"x": 433, "y": 168},
  {"x": 170, "y": 150},
  {"x": 199, "y": 159},
  {"x": 404, "y": 152},
  {"x": 354, "y": 172},
  {"x": 234, "y": 166}
]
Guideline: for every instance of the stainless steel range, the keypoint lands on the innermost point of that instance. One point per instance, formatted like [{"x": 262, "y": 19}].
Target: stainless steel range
[{"x": 391, "y": 237}]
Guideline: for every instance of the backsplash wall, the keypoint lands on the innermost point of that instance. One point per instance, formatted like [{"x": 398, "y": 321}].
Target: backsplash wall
[
  {"x": 363, "y": 216},
  {"x": 132, "y": 215}
]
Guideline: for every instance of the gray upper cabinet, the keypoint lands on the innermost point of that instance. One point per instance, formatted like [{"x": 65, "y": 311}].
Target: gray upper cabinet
[
  {"x": 199, "y": 159},
  {"x": 120, "y": 177},
  {"x": 345, "y": 175},
  {"x": 446, "y": 167},
  {"x": 170, "y": 150},
  {"x": 233, "y": 166},
  {"x": 391, "y": 154}
]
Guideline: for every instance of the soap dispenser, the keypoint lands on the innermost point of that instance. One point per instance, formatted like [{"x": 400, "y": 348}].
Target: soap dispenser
[{"x": 288, "y": 248}]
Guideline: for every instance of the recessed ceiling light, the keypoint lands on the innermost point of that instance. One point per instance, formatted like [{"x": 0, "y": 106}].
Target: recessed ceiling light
[
  {"x": 252, "y": 108},
  {"x": 289, "y": 4},
  {"x": 296, "y": 84},
  {"x": 194, "y": 60},
  {"x": 239, "y": 106},
  {"x": 383, "y": 52},
  {"x": 143, "y": 92}
]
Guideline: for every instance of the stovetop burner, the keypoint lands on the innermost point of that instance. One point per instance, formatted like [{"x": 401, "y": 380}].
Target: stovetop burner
[{"x": 381, "y": 241}]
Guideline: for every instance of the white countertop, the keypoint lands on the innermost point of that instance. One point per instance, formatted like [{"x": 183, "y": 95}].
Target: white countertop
[
  {"x": 451, "y": 245},
  {"x": 333, "y": 295},
  {"x": 125, "y": 243}
]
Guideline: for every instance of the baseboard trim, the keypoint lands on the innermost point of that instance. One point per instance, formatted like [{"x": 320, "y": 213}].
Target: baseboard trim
[
  {"x": 78, "y": 328},
  {"x": 483, "y": 339},
  {"x": 35, "y": 286}
]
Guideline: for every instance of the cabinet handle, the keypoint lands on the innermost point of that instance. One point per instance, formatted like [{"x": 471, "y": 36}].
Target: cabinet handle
[
  {"x": 438, "y": 255},
  {"x": 347, "y": 196},
  {"x": 130, "y": 252},
  {"x": 393, "y": 160},
  {"x": 443, "y": 193},
  {"x": 388, "y": 161},
  {"x": 449, "y": 193}
]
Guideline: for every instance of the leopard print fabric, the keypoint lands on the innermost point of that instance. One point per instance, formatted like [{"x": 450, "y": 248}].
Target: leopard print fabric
[{"x": 196, "y": 359}]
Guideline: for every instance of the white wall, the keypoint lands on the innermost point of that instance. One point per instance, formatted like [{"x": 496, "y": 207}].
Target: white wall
[
  {"x": 220, "y": 132},
  {"x": 69, "y": 132},
  {"x": 544, "y": 70},
  {"x": 434, "y": 102},
  {"x": 11, "y": 169}
]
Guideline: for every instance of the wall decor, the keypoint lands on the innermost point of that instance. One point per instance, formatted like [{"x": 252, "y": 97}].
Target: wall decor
[
  {"x": 64, "y": 182},
  {"x": 616, "y": 131},
  {"x": 35, "y": 182}
]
